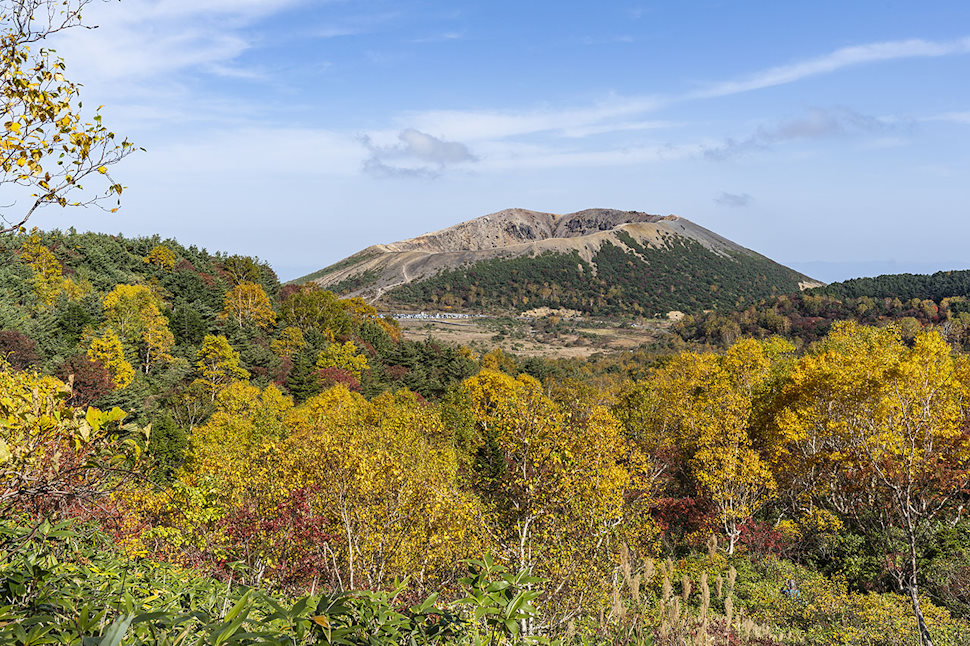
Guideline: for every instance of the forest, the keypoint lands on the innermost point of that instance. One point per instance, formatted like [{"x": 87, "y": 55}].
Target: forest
[
  {"x": 191, "y": 452},
  {"x": 636, "y": 280},
  {"x": 940, "y": 300}
]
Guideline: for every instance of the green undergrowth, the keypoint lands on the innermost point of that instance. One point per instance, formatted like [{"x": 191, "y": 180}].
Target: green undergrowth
[
  {"x": 64, "y": 584},
  {"x": 68, "y": 585}
]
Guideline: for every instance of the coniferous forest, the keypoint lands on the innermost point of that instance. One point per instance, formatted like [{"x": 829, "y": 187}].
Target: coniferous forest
[{"x": 637, "y": 281}]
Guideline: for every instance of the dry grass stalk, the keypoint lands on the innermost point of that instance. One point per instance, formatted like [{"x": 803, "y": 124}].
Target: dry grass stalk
[
  {"x": 618, "y": 610},
  {"x": 748, "y": 628},
  {"x": 705, "y": 597},
  {"x": 635, "y": 589},
  {"x": 626, "y": 565},
  {"x": 685, "y": 588}
]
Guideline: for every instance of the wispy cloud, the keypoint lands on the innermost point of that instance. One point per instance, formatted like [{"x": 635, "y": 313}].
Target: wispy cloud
[
  {"x": 610, "y": 40},
  {"x": 513, "y": 156},
  {"x": 817, "y": 124},
  {"x": 148, "y": 53},
  {"x": 471, "y": 125},
  {"x": 733, "y": 200},
  {"x": 416, "y": 154},
  {"x": 617, "y": 126},
  {"x": 616, "y": 113},
  {"x": 439, "y": 38},
  {"x": 834, "y": 61},
  {"x": 355, "y": 25},
  {"x": 951, "y": 117},
  {"x": 259, "y": 152},
  {"x": 337, "y": 32},
  {"x": 144, "y": 40}
]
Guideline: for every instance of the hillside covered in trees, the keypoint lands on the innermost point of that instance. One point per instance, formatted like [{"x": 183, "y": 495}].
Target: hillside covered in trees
[
  {"x": 912, "y": 301},
  {"x": 159, "y": 329},
  {"x": 632, "y": 280},
  {"x": 190, "y": 448}
]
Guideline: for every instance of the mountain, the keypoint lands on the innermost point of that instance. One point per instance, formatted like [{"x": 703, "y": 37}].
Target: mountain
[{"x": 597, "y": 261}]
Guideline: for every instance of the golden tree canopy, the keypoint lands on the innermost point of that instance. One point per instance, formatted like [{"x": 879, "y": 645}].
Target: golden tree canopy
[{"x": 48, "y": 147}]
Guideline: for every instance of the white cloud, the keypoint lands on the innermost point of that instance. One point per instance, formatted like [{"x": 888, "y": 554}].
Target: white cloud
[
  {"x": 259, "y": 152},
  {"x": 619, "y": 126},
  {"x": 473, "y": 125},
  {"x": 951, "y": 117},
  {"x": 337, "y": 32},
  {"x": 439, "y": 38},
  {"x": 417, "y": 154},
  {"x": 142, "y": 40},
  {"x": 614, "y": 114},
  {"x": 355, "y": 25},
  {"x": 834, "y": 61},
  {"x": 511, "y": 156},
  {"x": 817, "y": 124},
  {"x": 733, "y": 200}
]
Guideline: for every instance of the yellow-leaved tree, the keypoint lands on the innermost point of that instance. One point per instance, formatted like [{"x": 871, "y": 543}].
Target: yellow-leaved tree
[
  {"x": 876, "y": 430},
  {"x": 340, "y": 492},
  {"x": 54, "y": 457},
  {"x": 233, "y": 472},
  {"x": 248, "y": 302},
  {"x": 343, "y": 356},
  {"x": 48, "y": 279},
  {"x": 107, "y": 349},
  {"x": 133, "y": 312},
  {"x": 48, "y": 148},
  {"x": 702, "y": 407},
  {"x": 161, "y": 257},
  {"x": 560, "y": 488},
  {"x": 387, "y": 481},
  {"x": 290, "y": 342},
  {"x": 217, "y": 365}
]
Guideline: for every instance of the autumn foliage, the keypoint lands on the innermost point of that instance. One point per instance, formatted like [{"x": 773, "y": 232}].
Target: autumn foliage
[{"x": 303, "y": 446}]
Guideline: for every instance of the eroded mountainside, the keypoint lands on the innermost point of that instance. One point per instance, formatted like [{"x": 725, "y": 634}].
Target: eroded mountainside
[{"x": 601, "y": 261}]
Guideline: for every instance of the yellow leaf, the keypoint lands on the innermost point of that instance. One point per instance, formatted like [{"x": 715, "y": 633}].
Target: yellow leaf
[
  {"x": 321, "y": 620},
  {"x": 102, "y": 169}
]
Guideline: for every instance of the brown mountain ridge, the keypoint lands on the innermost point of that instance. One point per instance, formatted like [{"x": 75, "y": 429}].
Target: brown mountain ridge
[{"x": 598, "y": 261}]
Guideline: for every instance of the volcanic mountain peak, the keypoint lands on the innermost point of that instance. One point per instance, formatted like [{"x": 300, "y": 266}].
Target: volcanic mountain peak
[
  {"x": 514, "y": 226},
  {"x": 596, "y": 260}
]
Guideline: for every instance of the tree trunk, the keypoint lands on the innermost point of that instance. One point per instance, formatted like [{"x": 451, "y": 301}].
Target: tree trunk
[
  {"x": 924, "y": 632},
  {"x": 732, "y": 531}
]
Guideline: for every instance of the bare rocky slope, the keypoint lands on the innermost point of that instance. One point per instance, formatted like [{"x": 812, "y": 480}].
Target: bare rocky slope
[{"x": 518, "y": 259}]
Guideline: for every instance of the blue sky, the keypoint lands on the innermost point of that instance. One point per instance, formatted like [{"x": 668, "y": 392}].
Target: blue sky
[{"x": 830, "y": 136}]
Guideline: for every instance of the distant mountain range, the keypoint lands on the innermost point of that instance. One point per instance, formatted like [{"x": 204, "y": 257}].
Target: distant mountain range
[{"x": 597, "y": 261}]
